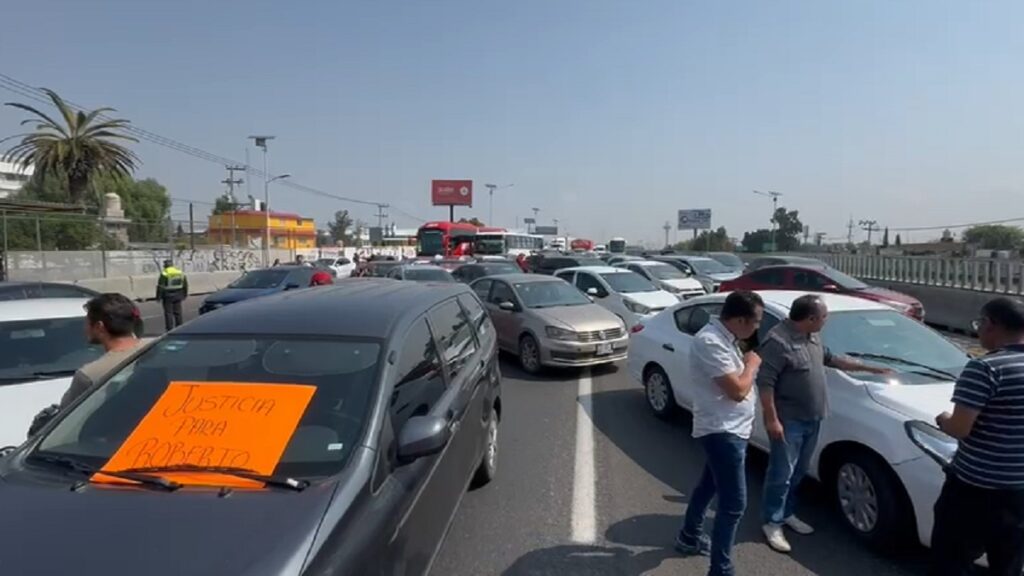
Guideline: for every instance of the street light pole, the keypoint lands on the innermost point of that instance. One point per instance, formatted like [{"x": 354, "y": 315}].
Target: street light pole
[
  {"x": 490, "y": 192},
  {"x": 261, "y": 142},
  {"x": 775, "y": 206}
]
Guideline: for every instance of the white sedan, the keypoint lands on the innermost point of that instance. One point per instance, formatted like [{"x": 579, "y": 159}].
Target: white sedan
[
  {"x": 43, "y": 344},
  {"x": 341, "y": 265},
  {"x": 626, "y": 294},
  {"x": 871, "y": 455}
]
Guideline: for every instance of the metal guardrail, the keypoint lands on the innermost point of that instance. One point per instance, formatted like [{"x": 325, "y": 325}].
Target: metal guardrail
[{"x": 979, "y": 274}]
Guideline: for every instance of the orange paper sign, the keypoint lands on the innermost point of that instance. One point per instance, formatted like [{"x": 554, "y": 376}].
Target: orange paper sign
[{"x": 214, "y": 424}]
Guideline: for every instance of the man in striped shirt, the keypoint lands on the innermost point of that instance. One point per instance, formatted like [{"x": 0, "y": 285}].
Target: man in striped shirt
[{"x": 981, "y": 507}]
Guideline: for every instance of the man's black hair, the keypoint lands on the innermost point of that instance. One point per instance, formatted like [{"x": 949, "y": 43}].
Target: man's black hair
[
  {"x": 806, "y": 306},
  {"x": 1006, "y": 313},
  {"x": 168, "y": 263},
  {"x": 741, "y": 304},
  {"x": 118, "y": 314}
]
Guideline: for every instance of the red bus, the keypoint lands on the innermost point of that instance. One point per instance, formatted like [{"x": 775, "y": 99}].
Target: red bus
[
  {"x": 446, "y": 239},
  {"x": 581, "y": 244}
]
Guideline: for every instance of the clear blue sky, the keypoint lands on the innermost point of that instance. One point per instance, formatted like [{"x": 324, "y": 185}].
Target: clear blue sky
[{"x": 608, "y": 115}]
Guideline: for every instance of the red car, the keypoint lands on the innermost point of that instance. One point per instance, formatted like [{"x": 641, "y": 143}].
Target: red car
[{"x": 823, "y": 279}]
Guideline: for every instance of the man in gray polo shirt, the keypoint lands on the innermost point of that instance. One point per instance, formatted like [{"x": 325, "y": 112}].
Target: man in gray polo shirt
[{"x": 794, "y": 399}]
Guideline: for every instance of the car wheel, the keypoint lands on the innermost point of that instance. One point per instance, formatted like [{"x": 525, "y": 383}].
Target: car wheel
[
  {"x": 658, "y": 391},
  {"x": 488, "y": 467},
  {"x": 529, "y": 354},
  {"x": 871, "y": 500}
]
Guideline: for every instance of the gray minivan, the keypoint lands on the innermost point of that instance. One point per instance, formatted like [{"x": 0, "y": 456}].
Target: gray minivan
[{"x": 403, "y": 416}]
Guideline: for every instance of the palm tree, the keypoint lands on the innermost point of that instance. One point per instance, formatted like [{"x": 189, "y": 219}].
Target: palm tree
[{"x": 77, "y": 150}]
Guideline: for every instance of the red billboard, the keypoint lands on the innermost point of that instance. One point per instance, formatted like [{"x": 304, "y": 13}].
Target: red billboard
[{"x": 451, "y": 192}]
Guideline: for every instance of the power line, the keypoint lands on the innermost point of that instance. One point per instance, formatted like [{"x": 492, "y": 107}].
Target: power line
[{"x": 28, "y": 91}]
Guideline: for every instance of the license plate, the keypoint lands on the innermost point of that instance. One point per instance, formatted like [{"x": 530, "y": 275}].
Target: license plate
[{"x": 604, "y": 349}]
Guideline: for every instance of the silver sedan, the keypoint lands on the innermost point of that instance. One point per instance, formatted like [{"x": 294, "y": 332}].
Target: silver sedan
[{"x": 548, "y": 322}]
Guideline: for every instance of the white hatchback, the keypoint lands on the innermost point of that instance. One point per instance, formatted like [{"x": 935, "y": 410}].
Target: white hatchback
[
  {"x": 341, "y": 265},
  {"x": 627, "y": 294},
  {"x": 43, "y": 344},
  {"x": 666, "y": 277},
  {"x": 869, "y": 457}
]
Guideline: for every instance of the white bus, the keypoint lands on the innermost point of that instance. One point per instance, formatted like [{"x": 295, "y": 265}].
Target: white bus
[
  {"x": 511, "y": 243},
  {"x": 617, "y": 246}
]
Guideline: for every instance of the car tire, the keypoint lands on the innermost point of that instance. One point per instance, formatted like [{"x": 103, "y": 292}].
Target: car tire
[
  {"x": 870, "y": 500},
  {"x": 658, "y": 392},
  {"x": 488, "y": 468},
  {"x": 529, "y": 354}
]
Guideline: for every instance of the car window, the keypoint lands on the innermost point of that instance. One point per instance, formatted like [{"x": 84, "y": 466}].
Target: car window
[
  {"x": 475, "y": 311},
  {"x": 638, "y": 270},
  {"x": 343, "y": 371},
  {"x": 501, "y": 293},
  {"x": 13, "y": 293},
  {"x": 567, "y": 276},
  {"x": 483, "y": 289},
  {"x": 809, "y": 280},
  {"x": 419, "y": 381},
  {"x": 394, "y": 273},
  {"x": 261, "y": 279},
  {"x": 769, "y": 277},
  {"x": 344, "y": 261},
  {"x": 54, "y": 347},
  {"x": 302, "y": 276},
  {"x": 682, "y": 317},
  {"x": 59, "y": 291},
  {"x": 586, "y": 281},
  {"x": 700, "y": 316},
  {"x": 455, "y": 337}
]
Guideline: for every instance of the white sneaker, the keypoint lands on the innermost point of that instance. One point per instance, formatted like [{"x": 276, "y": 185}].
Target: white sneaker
[
  {"x": 776, "y": 539},
  {"x": 799, "y": 526}
]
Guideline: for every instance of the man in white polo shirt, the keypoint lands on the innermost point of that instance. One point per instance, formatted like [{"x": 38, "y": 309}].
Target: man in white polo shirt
[{"x": 723, "y": 417}]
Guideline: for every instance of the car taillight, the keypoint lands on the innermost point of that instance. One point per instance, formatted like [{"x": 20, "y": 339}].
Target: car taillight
[{"x": 636, "y": 328}]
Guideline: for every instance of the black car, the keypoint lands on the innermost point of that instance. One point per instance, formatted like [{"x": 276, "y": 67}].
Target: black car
[
  {"x": 477, "y": 270},
  {"x": 259, "y": 283},
  {"x": 552, "y": 264},
  {"x": 32, "y": 290},
  {"x": 380, "y": 268},
  {"x": 402, "y": 402}
]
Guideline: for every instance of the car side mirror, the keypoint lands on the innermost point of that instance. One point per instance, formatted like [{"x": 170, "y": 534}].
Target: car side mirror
[
  {"x": 830, "y": 288},
  {"x": 422, "y": 436},
  {"x": 291, "y": 286},
  {"x": 593, "y": 292},
  {"x": 507, "y": 305}
]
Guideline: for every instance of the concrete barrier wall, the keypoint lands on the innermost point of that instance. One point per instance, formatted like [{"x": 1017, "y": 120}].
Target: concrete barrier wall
[
  {"x": 953, "y": 308},
  {"x": 144, "y": 287}
]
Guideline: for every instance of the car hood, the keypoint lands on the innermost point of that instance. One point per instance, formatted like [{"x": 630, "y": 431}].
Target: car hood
[
  {"x": 657, "y": 299},
  {"x": 875, "y": 292},
  {"x": 229, "y": 295},
  {"x": 916, "y": 401},
  {"x": 20, "y": 403},
  {"x": 122, "y": 531},
  {"x": 683, "y": 283},
  {"x": 584, "y": 318}
]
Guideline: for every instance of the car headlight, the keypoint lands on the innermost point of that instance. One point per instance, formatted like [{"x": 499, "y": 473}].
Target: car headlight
[
  {"x": 901, "y": 306},
  {"x": 935, "y": 443},
  {"x": 556, "y": 333},
  {"x": 636, "y": 307}
]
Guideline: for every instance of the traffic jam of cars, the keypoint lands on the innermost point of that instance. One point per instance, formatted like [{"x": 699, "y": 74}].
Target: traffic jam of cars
[{"x": 359, "y": 437}]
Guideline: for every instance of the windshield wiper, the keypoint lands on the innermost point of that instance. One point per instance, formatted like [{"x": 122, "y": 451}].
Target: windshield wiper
[
  {"x": 41, "y": 375},
  {"x": 275, "y": 481},
  {"x": 904, "y": 361},
  {"x": 76, "y": 466}
]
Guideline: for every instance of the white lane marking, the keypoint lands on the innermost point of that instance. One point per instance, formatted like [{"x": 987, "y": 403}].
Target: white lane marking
[{"x": 584, "y": 504}]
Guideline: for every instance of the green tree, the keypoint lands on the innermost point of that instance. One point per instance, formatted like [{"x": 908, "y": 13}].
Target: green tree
[
  {"x": 474, "y": 221},
  {"x": 788, "y": 229},
  {"x": 224, "y": 204},
  {"x": 340, "y": 227},
  {"x": 708, "y": 241},
  {"x": 34, "y": 231},
  {"x": 756, "y": 241},
  {"x": 885, "y": 238},
  {"x": 994, "y": 236},
  {"x": 80, "y": 148},
  {"x": 145, "y": 202},
  {"x": 899, "y": 241}
]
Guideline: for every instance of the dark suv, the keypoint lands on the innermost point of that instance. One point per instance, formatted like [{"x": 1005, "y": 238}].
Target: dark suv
[
  {"x": 400, "y": 404},
  {"x": 552, "y": 264}
]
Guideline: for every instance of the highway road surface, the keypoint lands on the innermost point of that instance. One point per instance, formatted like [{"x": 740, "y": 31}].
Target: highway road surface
[{"x": 591, "y": 484}]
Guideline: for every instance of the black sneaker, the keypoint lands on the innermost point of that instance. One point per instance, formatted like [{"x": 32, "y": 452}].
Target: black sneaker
[{"x": 701, "y": 548}]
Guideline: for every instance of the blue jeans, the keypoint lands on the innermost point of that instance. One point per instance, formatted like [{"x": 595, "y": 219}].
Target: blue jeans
[
  {"x": 787, "y": 465},
  {"x": 724, "y": 476}
]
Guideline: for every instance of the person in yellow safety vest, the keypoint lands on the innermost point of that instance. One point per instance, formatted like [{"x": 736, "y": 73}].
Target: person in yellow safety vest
[{"x": 171, "y": 290}]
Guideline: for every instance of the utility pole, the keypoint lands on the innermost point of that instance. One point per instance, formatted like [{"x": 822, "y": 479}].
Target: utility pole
[
  {"x": 666, "y": 228},
  {"x": 870, "y": 226},
  {"x": 381, "y": 215},
  {"x": 231, "y": 182},
  {"x": 774, "y": 196},
  {"x": 535, "y": 212},
  {"x": 849, "y": 231},
  {"x": 261, "y": 142},
  {"x": 191, "y": 228}
]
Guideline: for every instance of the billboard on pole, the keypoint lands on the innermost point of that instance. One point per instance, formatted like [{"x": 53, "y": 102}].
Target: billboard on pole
[
  {"x": 546, "y": 230},
  {"x": 451, "y": 192},
  {"x": 694, "y": 219}
]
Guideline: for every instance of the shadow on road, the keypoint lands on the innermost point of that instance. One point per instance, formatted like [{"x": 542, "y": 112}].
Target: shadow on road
[{"x": 666, "y": 450}]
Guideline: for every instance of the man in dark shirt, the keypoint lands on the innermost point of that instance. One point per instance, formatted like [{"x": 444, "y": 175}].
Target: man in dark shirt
[
  {"x": 794, "y": 400},
  {"x": 981, "y": 507}
]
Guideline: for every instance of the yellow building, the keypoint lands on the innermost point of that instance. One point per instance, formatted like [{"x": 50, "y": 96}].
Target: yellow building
[{"x": 248, "y": 228}]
